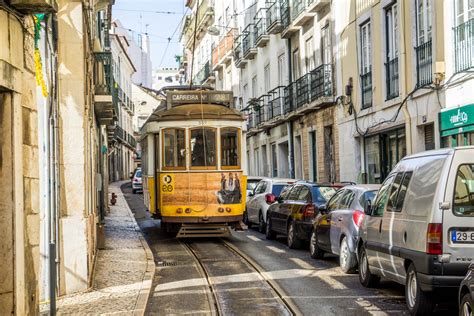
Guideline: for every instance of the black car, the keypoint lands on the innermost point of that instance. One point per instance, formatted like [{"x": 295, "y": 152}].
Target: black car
[
  {"x": 295, "y": 210},
  {"x": 466, "y": 293}
]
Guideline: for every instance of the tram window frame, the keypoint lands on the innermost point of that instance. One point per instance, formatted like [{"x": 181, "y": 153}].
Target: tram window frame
[
  {"x": 238, "y": 148},
  {"x": 216, "y": 136},
  {"x": 163, "y": 164}
]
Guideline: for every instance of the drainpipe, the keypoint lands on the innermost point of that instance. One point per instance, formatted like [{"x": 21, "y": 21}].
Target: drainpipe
[
  {"x": 289, "y": 125},
  {"x": 403, "y": 87}
]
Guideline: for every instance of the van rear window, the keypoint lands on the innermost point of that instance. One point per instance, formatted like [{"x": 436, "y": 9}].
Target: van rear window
[{"x": 464, "y": 191}]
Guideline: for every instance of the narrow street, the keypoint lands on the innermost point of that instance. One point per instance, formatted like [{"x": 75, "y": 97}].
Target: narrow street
[{"x": 309, "y": 286}]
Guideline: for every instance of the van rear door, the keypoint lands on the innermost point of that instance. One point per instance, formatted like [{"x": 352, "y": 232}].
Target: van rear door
[{"x": 458, "y": 220}]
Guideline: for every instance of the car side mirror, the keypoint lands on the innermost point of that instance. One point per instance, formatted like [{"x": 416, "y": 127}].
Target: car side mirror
[
  {"x": 368, "y": 207},
  {"x": 323, "y": 209}
]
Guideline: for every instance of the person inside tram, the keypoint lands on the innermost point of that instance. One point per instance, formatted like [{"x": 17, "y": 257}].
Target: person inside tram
[{"x": 198, "y": 151}]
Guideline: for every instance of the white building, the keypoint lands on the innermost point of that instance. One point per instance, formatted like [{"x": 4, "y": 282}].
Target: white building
[{"x": 166, "y": 76}]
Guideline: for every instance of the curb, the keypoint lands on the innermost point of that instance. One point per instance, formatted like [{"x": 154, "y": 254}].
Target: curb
[{"x": 145, "y": 289}]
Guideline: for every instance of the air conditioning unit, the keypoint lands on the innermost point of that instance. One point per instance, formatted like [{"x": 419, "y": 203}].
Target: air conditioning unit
[{"x": 34, "y": 6}]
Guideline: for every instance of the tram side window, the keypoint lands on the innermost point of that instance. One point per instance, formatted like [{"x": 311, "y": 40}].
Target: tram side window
[
  {"x": 203, "y": 147},
  {"x": 174, "y": 148},
  {"x": 230, "y": 147}
]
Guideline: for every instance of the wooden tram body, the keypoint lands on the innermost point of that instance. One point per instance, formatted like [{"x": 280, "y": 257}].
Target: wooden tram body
[{"x": 193, "y": 161}]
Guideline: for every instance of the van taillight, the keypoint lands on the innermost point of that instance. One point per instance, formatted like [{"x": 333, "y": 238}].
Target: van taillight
[
  {"x": 270, "y": 198},
  {"x": 308, "y": 212},
  {"x": 434, "y": 239},
  {"x": 357, "y": 217}
]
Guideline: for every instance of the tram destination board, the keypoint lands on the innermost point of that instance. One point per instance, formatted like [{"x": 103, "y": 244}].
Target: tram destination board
[{"x": 176, "y": 98}]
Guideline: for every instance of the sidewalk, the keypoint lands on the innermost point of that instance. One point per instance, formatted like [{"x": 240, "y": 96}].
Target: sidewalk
[{"x": 123, "y": 272}]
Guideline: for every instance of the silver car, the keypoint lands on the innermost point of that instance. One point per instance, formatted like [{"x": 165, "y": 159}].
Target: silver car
[
  {"x": 265, "y": 194},
  {"x": 336, "y": 228}
]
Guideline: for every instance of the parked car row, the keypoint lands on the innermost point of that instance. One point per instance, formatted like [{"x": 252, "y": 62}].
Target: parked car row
[{"x": 417, "y": 228}]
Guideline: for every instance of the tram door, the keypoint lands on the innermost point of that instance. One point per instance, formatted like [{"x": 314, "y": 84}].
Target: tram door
[{"x": 156, "y": 165}]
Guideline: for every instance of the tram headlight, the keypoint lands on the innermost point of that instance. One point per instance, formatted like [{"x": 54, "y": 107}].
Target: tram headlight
[
  {"x": 228, "y": 209},
  {"x": 179, "y": 210},
  {"x": 187, "y": 211},
  {"x": 220, "y": 210}
]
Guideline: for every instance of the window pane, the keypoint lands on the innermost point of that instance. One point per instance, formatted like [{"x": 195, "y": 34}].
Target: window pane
[
  {"x": 392, "y": 199},
  {"x": 464, "y": 191},
  {"x": 403, "y": 191},
  {"x": 334, "y": 201},
  {"x": 203, "y": 147},
  {"x": 382, "y": 197},
  {"x": 367, "y": 196},
  {"x": 293, "y": 196},
  {"x": 276, "y": 189},
  {"x": 174, "y": 148},
  {"x": 346, "y": 200},
  {"x": 304, "y": 194},
  {"x": 372, "y": 158},
  {"x": 323, "y": 194},
  {"x": 230, "y": 147}
]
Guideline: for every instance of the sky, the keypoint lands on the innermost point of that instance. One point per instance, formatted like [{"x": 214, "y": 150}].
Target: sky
[{"x": 141, "y": 17}]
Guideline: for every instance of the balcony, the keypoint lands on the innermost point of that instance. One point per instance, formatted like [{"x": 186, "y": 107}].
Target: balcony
[
  {"x": 464, "y": 46},
  {"x": 299, "y": 13},
  {"x": 275, "y": 103},
  {"x": 105, "y": 103},
  {"x": 424, "y": 64},
  {"x": 204, "y": 75},
  {"x": 261, "y": 36},
  {"x": 321, "y": 82},
  {"x": 273, "y": 19},
  {"x": 34, "y": 6},
  {"x": 239, "y": 59},
  {"x": 222, "y": 53},
  {"x": 366, "y": 89},
  {"x": 288, "y": 27},
  {"x": 120, "y": 135},
  {"x": 317, "y": 5},
  {"x": 391, "y": 77},
  {"x": 248, "y": 42}
]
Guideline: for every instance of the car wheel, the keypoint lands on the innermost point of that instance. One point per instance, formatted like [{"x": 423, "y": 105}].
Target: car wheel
[
  {"x": 314, "y": 250},
  {"x": 269, "y": 234},
  {"x": 245, "y": 218},
  {"x": 366, "y": 278},
  {"x": 418, "y": 302},
  {"x": 347, "y": 259},
  {"x": 466, "y": 305},
  {"x": 261, "y": 223},
  {"x": 292, "y": 240}
]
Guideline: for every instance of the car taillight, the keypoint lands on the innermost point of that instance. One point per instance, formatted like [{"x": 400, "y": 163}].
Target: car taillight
[
  {"x": 358, "y": 217},
  {"x": 270, "y": 198},
  {"x": 434, "y": 238},
  {"x": 308, "y": 212}
]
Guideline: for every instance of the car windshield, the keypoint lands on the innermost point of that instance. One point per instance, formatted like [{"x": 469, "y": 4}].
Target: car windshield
[
  {"x": 367, "y": 196},
  {"x": 323, "y": 194},
  {"x": 251, "y": 184},
  {"x": 464, "y": 191},
  {"x": 138, "y": 174},
  {"x": 276, "y": 189}
]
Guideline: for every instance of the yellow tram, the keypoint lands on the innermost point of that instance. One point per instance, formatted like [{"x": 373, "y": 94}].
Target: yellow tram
[{"x": 194, "y": 178}]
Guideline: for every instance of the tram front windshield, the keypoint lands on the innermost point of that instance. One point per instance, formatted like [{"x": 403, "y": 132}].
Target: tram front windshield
[{"x": 203, "y": 147}]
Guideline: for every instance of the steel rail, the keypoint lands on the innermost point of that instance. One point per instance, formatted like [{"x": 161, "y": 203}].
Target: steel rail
[
  {"x": 211, "y": 294},
  {"x": 278, "y": 291}
]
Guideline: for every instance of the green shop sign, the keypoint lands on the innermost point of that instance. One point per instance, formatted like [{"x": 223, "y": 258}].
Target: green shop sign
[{"x": 456, "y": 121}]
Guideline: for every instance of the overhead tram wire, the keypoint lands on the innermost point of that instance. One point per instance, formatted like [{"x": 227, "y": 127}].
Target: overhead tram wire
[
  {"x": 194, "y": 45},
  {"x": 171, "y": 37},
  {"x": 148, "y": 11}
]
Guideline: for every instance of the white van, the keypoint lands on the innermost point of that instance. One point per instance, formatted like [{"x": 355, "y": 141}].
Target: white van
[{"x": 419, "y": 231}]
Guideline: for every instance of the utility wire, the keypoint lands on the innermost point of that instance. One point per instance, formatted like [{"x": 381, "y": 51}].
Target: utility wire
[
  {"x": 148, "y": 11},
  {"x": 194, "y": 45}
]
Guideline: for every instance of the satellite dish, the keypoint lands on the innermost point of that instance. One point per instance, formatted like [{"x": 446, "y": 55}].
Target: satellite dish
[{"x": 213, "y": 30}]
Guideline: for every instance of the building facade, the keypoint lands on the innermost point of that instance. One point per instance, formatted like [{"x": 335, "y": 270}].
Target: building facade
[
  {"x": 122, "y": 143},
  {"x": 342, "y": 90},
  {"x": 166, "y": 77}
]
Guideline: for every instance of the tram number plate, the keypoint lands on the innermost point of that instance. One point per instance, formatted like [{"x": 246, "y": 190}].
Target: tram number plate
[
  {"x": 462, "y": 236},
  {"x": 167, "y": 188}
]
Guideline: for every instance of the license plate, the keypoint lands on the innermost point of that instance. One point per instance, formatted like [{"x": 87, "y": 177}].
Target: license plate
[{"x": 462, "y": 236}]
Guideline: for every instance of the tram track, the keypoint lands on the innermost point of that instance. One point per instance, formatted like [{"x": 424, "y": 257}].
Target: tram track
[{"x": 224, "y": 256}]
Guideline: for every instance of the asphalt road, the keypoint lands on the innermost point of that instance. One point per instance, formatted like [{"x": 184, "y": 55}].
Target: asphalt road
[{"x": 316, "y": 287}]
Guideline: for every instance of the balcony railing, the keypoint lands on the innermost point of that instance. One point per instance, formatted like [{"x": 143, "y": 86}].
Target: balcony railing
[
  {"x": 275, "y": 103},
  {"x": 250, "y": 123},
  {"x": 223, "y": 48},
  {"x": 302, "y": 90},
  {"x": 366, "y": 87},
  {"x": 285, "y": 13},
  {"x": 289, "y": 93},
  {"x": 424, "y": 72},
  {"x": 391, "y": 77},
  {"x": 205, "y": 14},
  {"x": 321, "y": 82},
  {"x": 248, "y": 40},
  {"x": 297, "y": 8},
  {"x": 464, "y": 46},
  {"x": 260, "y": 25},
  {"x": 203, "y": 74},
  {"x": 121, "y": 135},
  {"x": 103, "y": 73},
  {"x": 273, "y": 18}
]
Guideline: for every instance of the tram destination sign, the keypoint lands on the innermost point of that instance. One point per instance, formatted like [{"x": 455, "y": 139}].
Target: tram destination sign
[{"x": 175, "y": 98}]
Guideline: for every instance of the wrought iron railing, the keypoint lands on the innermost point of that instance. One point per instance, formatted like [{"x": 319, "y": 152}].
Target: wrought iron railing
[
  {"x": 285, "y": 13},
  {"x": 238, "y": 48},
  {"x": 464, "y": 46},
  {"x": 424, "y": 64},
  {"x": 297, "y": 8},
  {"x": 103, "y": 73},
  {"x": 289, "y": 93},
  {"x": 366, "y": 87},
  {"x": 391, "y": 77},
  {"x": 273, "y": 17},
  {"x": 302, "y": 90},
  {"x": 248, "y": 40},
  {"x": 202, "y": 74},
  {"x": 275, "y": 103},
  {"x": 321, "y": 82},
  {"x": 260, "y": 24}
]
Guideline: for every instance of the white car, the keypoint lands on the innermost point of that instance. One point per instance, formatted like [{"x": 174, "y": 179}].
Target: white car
[
  {"x": 265, "y": 193},
  {"x": 251, "y": 184}
]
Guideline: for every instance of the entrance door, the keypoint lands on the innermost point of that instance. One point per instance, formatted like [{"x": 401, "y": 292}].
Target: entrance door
[{"x": 330, "y": 168}]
